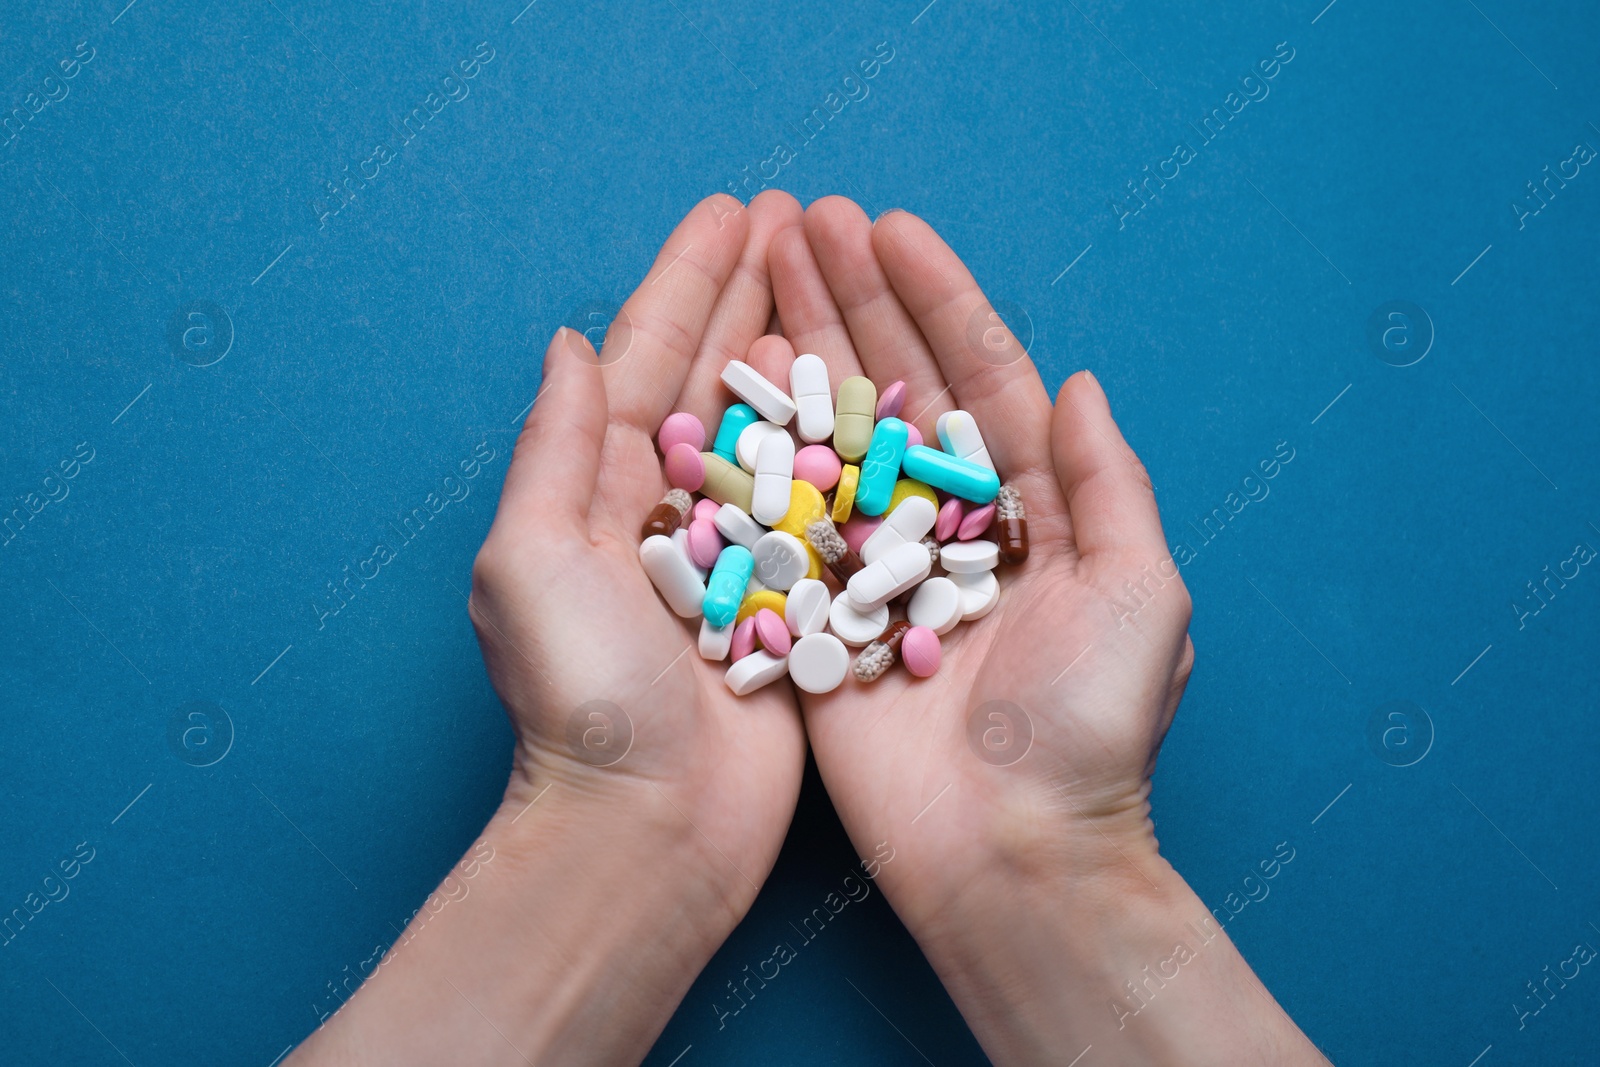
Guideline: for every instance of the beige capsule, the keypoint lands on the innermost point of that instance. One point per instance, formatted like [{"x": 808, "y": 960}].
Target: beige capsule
[
  {"x": 727, "y": 483},
  {"x": 853, "y": 418}
]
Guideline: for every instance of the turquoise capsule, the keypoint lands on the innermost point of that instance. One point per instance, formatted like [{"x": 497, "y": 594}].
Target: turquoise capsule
[
  {"x": 881, "y": 469},
  {"x": 734, "y": 420},
  {"x": 725, "y": 589},
  {"x": 958, "y": 477}
]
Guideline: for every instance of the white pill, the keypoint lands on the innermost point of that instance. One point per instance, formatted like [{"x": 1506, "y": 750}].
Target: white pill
[
  {"x": 818, "y": 663},
  {"x": 936, "y": 604},
  {"x": 959, "y": 436},
  {"x": 757, "y": 669},
  {"x": 781, "y": 560},
  {"x": 857, "y": 627},
  {"x": 909, "y": 521},
  {"x": 680, "y": 541},
  {"x": 808, "y": 382},
  {"x": 749, "y": 385},
  {"x": 749, "y": 443},
  {"x": 969, "y": 557},
  {"x": 878, "y": 583},
  {"x": 774, "y": 478},
  {"x": 734, "y": 523},
  {"x": 715, "y": 641},
  {"x": 806, "y": 607},
  {"x": 674, "y": 576},
  {"x": 980, "y": 592}
]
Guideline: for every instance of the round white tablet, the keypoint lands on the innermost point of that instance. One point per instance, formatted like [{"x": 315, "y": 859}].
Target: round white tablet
[
  {"x": 818, "y": 663},
  {"x": 980, "y": 592},
  {"x": 715, "y": 641},
  {"x": 969, "y": 557},
  {"x": 781, "y": 560},
  {"x": 806, "y": 607},
  {"x": 937, "y": 605},
  {"x": 854, "y": 627},
  {"x": 757, "y": 669},
  {"x": 750, "y": 442}
]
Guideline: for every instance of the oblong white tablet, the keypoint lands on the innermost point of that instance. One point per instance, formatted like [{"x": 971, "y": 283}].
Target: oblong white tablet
[
  {"x": 958, "y": 435},
  {"x": 909, "y": 521},
  {"x": 757, "y": 669},
  {"x": 818, "y": 663},
  {"x": 969, "y": 557},
  {"x": 734, "y": 523},
  {"x": 781, "y": 560},
  {"x": 806, "y": 607},
  {"x": 936, "y": 604},
  {"x": 854, "y": 627},
  {"x": 715, "y": 641},
  {"x": 672, "y": 574},
  {"x": 878, "y": 583},
  {"x": 808, "y": 384},
  {"x": 980, "y": 592},
  {"x": 749, "y": 443},
  {"x": 751, "y": 386},
  {"x": 774, "y": 478}
]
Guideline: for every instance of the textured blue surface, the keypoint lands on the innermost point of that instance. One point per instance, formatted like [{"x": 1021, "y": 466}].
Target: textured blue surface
[{"x": 378, "y": 346}]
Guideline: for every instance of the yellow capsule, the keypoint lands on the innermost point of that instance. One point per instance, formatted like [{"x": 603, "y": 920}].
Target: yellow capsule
[
  {"x": 911, "y": 487},
  {"x": 844, "y": 497},
  {"x": 727, "y": 483},
  {"x": 805, "y": 507},
  {"x": 761, "y": 598},
  {"x": 853, "y": 418}
]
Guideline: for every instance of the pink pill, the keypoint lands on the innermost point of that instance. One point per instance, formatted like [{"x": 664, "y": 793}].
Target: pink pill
[
  {"x": 914, "y": 436},
  {"x": 949, "y": 520},
  {"x": 819, "y": 465},
  {"x": 681, "y": 428},
  {"x": 685, "y": 467},
  {"x": 772, "y": 631},
  {"x": 919, "y": 651},
  {"x": 705, "y": 509},
  {"x": 976, "y": 523},
  {"x": 891, "y": 400},
  {"x": 705, "y": 543},
  {"x": 744, "y": 639},
  {"x": 856, "y": 531}
]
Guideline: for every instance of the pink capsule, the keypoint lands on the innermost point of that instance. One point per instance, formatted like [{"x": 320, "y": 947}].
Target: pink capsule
[
  {"x": 705, "y": 508},
  {"x": 890, "y": 401},
  {"x": 744, "y": 639},
  {"x": 919, "y": 651},
  {"x": 976, "y": 524},
  {"x": 858, "y": 528},
  {"x": 819, "y": 465},
  {"x": 772, "y": 631},
  {"x": 686, "y": 468},
  {"x": 705, "y": 543},
  {"x": 681, "y": 428},
  {"x": 949, "y": 520}
]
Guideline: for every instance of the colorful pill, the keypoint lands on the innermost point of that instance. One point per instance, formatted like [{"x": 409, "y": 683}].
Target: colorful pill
[
  {"x": 911, "y": 487},
  {"x": 705, "y": 542},
  {"x": 756, "y": 600},
  {"x": 666, "y": 516},
  {"x": 919, "y": 651},
  {"x": 725, "y": 590},
  {"x": 1010, "y": 525},
  {"x": 772, "y": 632},
  {"x": 878, "y": 583},
  {"x": 726, "y": 483},
  {"x": 835, "y": 552},
  {"x": 976, "y": 524},
  {"x": 685, "y": 469},
  {"x": 891, "y": 400},
  {"x": 704, "y": 509},
  {"x": 844, "y": 497},
  {"x": 681, "y": 428},
  {"x": 818, "y": 663},
  {"x": 734, "y": 421},
  {"x": 958, "y": 434},
  {"x": 958, "y": 477},
  {"x": 818, "y": 465},
  {"x": 744, "y": 639},
  {"x": 808, "y": 383},
  {"x": 673, "y": 575},
  {"x": 913, "y": 435},
  {"x": 880, "y": 655},
  {"x": 751, "y": 386},
  {"x": 805, "y": 507},
  {"x": 881, "y": 469},
  {"x": 853, "y": 418},
  {"x": 949, "y": 521},
  {"x": 858, "y": 529}
]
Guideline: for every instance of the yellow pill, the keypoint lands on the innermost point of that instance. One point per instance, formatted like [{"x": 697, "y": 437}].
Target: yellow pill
[
  {"x": 844, "y": 497},
  {"x": 815, "y": 569},
  {"x": 911, "y": 487},
  {"x": 805, "y": 507},
  {"x": 853, "y": 417},
  {"x": 727, "y": 483},
  {"x": 761, "y": 598}
]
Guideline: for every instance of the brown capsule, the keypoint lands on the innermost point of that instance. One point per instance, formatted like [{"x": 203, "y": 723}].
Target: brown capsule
[
  {"x": 667, "y": 516},
  {"x": 831, "y": 546},
  {"x": 1010, "y": 527},
  {"x": 880, "y": 655}
]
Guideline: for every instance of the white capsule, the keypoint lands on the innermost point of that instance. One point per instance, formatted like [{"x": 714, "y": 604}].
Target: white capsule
[
  {"x": 808, "y": 382},
  {"x": 673, "y": 575},
  {"x": 757, "y": 669},
  {"x": 749, "y": 444},
  {"x": 734, "y": 523},
  {"x": 781, "y": 560},
  {"x": 936, "y": 604},
  {"x": 774, "y": 477},
  {"x": 854, "y": 627},
  {"x": 715, "y": 641},
  {"x": 805, "y": 609},
  {"x": 969, "y": 557},
  {"x": 959, "y": 436},
  {"x": 878, "y": 583},
  {"x": 909, "y": 521},
  {"x": 818, "y": 663},
  {"x": 749, "y": 385},
  {"x": 980, "y": 592}
]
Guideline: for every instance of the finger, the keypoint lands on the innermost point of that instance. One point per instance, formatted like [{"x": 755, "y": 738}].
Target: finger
[
  {"x": 648, "y": 350},
  {"x": 772, "y": 357},
  {"x": 1107, "y": 490},
  {"x": 743, "y": 312},
  {"x": 990, "y": 374},
  {"x": 811, "y": 320},
  {"x": 556, "y": 462},
  {"x": 887, "y": 340}
]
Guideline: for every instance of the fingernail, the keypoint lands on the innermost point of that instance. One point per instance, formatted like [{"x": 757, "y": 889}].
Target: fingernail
[{"x": 891, "y": 211}]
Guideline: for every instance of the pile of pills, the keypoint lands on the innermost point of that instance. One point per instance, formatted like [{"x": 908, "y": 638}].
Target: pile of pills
[{"x": 861, "y": 500}]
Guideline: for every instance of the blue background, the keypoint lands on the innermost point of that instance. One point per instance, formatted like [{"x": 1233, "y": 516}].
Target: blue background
[{"x": 374, "y": 349}]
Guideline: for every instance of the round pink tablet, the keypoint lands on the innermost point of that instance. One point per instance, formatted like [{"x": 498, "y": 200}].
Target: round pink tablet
[
  {"x": 705, "y": 508},
  {"x": 772, "y": 632},
  {"x": 705, "y": 543},
  {"x": 976, "y": 523},
  {"x": 914, "y": 436},
  {"x": 891, "y": 400},
  {"x": 859, "y": 527},
  {"x": 685, "y": 467},
  {"x": 744, "y": 639},
  {"x": 681, "y": 428},
  {"x": 819, "y": 465},
  {"x": 919, "y": 651},
  {"x": 949, "y": 520}
]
